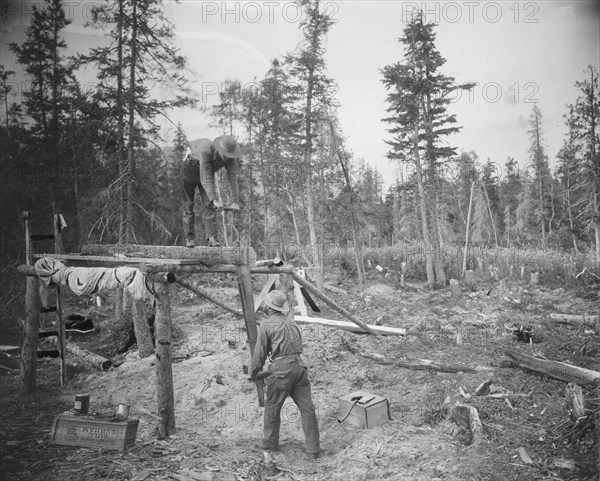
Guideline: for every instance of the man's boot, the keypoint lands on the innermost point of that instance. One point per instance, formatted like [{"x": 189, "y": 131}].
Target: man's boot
[{"x": 212, "y": 242}]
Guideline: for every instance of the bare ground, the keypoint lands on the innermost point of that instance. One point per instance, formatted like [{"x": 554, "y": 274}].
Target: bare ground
[{"x": 219, "y": 421}]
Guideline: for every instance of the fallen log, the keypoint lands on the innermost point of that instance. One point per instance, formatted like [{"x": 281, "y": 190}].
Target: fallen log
[
  {"x": 422, "y": 364},
  {"x": 349, "y": 326},
  {"x": 483, "y": 388},
  {"x": 559, "y": 370},
  {"x": 574, "y": 319},
  {"x": 89, "y": 358},
  {"x": 335, "y": 289}
]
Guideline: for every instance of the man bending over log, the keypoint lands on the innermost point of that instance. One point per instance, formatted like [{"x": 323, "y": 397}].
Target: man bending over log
[{"x": 203, "y": 159}]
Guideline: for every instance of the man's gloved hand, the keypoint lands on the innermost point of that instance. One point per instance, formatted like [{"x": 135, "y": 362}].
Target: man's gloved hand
[
  {"x": 215, "y": 205},
  {"x": 234, "y": 206},
  {"x": 188, "y": 151}
]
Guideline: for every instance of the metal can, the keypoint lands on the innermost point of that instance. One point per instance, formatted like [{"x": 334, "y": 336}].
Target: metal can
[{"x": 82, "y": 403}]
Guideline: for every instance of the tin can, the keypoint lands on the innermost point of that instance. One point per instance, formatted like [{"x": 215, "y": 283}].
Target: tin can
[
  {"x": 123, "y": 411},
  {"x": 82, "y": 403}
]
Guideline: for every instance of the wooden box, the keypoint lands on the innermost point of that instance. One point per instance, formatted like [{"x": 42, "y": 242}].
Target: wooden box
[
  {"x": 73, "y": 430},
  {"x": 364, "y": 409}
]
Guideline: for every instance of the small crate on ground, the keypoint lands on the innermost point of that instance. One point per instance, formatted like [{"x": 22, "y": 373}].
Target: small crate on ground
[
  {"x": 364, "y": 409},
  {"x": 87, "y": 431}
]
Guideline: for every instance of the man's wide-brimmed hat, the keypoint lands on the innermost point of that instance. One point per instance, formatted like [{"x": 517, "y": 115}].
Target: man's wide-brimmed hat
[
  {"x": 277, "y": 300},
  {"x": 227, "y": 146}
]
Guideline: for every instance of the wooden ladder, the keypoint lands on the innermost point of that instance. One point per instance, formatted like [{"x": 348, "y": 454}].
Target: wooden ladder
[{"x": 58, "y": 223}]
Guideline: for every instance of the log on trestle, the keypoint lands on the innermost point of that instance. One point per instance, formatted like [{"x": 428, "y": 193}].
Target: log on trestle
[{"x": 208, "y": 256}]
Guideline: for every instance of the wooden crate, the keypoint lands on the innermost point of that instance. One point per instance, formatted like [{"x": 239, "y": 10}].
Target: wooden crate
[
  {"x": 370, "y": 410},
  {"x": 86, "y": 431}
]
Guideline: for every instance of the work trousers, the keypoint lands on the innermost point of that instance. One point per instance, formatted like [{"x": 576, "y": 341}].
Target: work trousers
[
  {"x": 190, "y": 177},
  {"x": 290, "y": 379}
]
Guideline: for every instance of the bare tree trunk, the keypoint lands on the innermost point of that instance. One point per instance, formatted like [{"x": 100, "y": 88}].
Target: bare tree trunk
[
  {"x": 429, "y": 257},
  {"x": 438, "y": 259},
  {"x": 597, "y": 233},
  {"x": 464, "y": 266},
  {"x": 292, "y": 211},
  {"x": 570, "y": 210},
  {"x": 358, "y": 253},
  {"x": 131, "y": 152},
  {"x": 489, "y": 206}
]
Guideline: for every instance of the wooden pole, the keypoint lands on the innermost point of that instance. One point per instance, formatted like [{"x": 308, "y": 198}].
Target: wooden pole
[
  {"x": 313, "y": 290},
  {"x": 142, "y": 310},
  {"x": 30, "y": 337},
  {"x": 244, "y": 279},
  {"x": 58, "y": 241},
  {"x": 349, "y": 326},
  {"x": 26, "y": 216},
  {"x": 171, "y": 278},
  {"x": 164, "y": 365},
  {"x": 62, "y": 340},
  {"x": 89, "y": 358}
]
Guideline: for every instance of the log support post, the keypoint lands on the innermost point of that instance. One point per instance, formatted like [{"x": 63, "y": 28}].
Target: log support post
[
  {"x": 62, "y": 338},
  {"x": 164, "y": 363},
  {"x": 30, "y": 337},
  {"x": 244, "y": 279},
  {"x": 142, "y": 310}
]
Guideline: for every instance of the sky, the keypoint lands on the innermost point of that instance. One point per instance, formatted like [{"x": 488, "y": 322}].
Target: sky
[{"x": 520, "y": 54}]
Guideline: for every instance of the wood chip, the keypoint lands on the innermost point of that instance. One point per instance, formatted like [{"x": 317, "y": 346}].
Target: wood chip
[
  {"x": 141, "y": 476},
  {"x": 524, "y": 456}
]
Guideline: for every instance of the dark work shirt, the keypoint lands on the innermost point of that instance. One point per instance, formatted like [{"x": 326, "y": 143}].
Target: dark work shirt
[
  {"x": 278, "y": 337},
  {"x": 209, "y": 163}
]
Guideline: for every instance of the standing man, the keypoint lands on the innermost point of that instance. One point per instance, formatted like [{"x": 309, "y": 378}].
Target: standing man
[
  {"x": 280, "y": 339},
  {"x": 203, "y": 159}
]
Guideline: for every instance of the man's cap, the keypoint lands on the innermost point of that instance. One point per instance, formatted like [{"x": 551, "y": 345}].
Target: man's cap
[
  {"x": 227, "y": 146},
  {"x": 277, "y": 300}
]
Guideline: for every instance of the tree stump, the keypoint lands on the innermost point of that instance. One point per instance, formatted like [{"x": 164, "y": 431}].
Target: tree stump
[
  {"x": 470, "y": 278},
  {"x": 480, "y": 265},
  {"x": 535, "y": 278},
  {"x": 455, "y": 289},
  {"x": 575, "y": 402},
  {"x": 494, "y": 272},
  {"x": 402, "y": 270}
]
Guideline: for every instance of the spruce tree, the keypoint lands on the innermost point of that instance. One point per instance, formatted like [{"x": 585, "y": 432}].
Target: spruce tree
[{"x": 419, "y": 95}]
